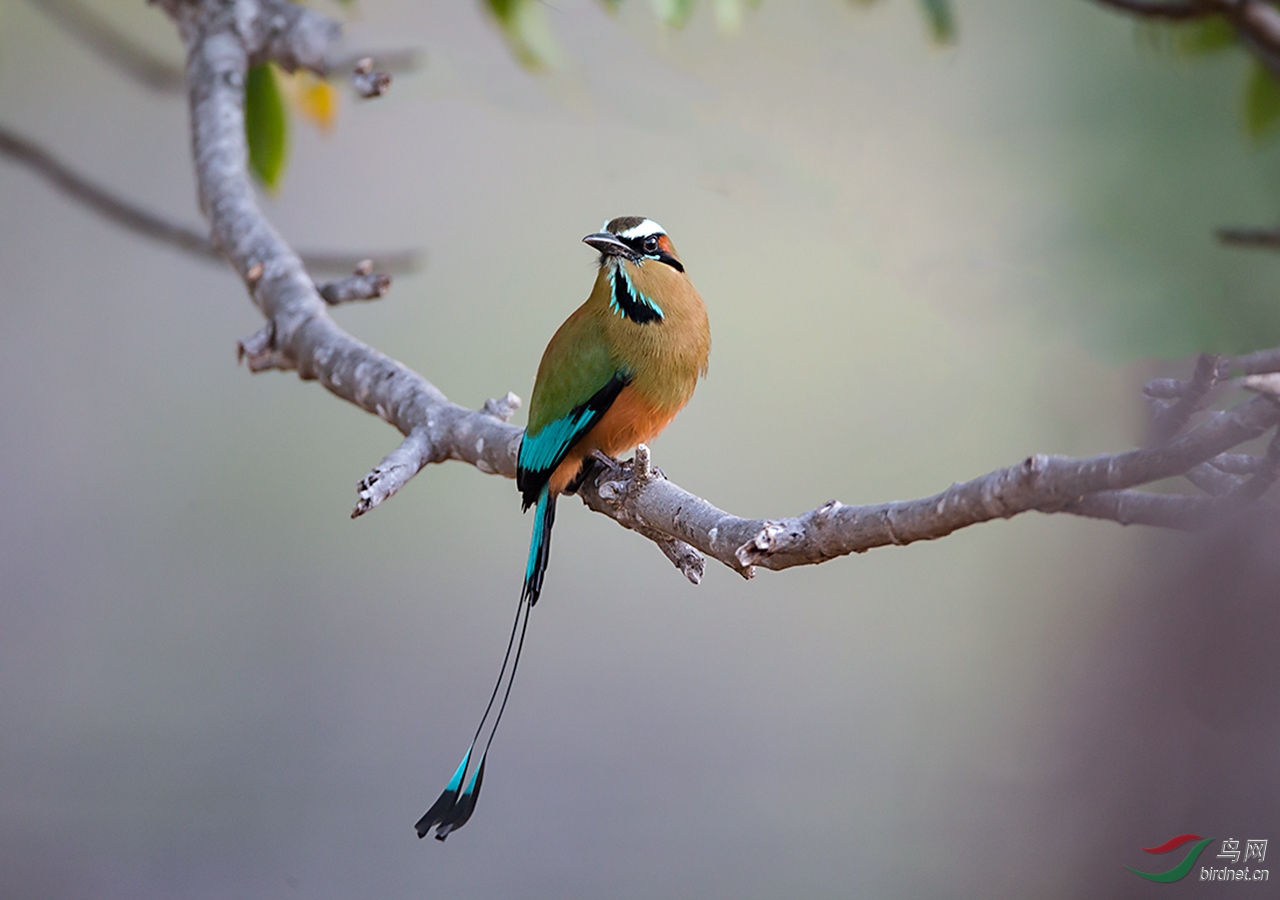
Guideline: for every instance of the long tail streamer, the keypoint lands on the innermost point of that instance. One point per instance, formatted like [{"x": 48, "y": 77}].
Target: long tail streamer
[{"x": 454, "y": 806}]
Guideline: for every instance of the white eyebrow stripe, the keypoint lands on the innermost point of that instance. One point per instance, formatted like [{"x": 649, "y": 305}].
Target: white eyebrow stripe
[{"x": 644, "y": 229}]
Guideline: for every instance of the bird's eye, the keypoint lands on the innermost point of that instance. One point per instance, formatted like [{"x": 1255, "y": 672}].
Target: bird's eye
[{"x": 651, "y": 244}]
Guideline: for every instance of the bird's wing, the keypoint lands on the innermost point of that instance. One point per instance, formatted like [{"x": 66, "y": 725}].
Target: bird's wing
[{"x": 577, "y": 381}]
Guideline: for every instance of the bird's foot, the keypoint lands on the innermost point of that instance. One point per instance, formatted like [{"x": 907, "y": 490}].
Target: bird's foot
[
  {"x": 594, "y": 458},
  {"x": 606, "y": 460}
]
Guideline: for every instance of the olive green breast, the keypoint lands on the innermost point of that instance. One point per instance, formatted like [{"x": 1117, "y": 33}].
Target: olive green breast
[{"x": 665, "y": 357}]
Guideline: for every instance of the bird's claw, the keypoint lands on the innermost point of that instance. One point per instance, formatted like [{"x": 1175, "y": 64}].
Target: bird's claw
[{"x": 606, "y": 460}]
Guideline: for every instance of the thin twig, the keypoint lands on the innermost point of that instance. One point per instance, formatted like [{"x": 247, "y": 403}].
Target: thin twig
[
  {"x": 147, "y": 224},
  {"x": 362, "y": 284},
  {"x": 157, "y": 73},
  {"x": 1268, "y": 470},
  {"x": 1192, "y": 396},
  {"x": 1261, "y": 362},
  {"x": 99, "y": 200},
  {"x": 1235, "y": 463},
  {"x": 1212, "y": 480},
  {"x": 1169, "y": 10},
  {"x": 113, "y": 45},
  {"x": 1250, "y": 237},
  {"x": 367, "y": 81},
  {"x": 394, "y": 62},
  {"x": 1138, "y": 508}
]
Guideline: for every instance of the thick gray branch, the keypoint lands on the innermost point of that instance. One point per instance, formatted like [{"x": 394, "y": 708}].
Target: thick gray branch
[
  {"x": 1040, "y": 483},
  {"x": 224, "y": 38}
]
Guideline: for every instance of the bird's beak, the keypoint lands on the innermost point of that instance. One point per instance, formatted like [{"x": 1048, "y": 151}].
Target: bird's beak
[{"x": 609, "y": 245}]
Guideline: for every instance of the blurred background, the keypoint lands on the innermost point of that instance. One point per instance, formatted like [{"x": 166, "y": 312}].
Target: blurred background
[{"x": 921, "y": 261}]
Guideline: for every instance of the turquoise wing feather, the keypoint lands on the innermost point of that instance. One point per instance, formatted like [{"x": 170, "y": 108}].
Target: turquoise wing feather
[{"x": 577, "y": 382}]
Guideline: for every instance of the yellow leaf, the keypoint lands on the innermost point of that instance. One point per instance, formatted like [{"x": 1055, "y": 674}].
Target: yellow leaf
[{"x": 313, "y": 98}]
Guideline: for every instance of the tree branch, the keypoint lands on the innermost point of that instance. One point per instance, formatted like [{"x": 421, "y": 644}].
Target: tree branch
[
  {"x": 115, "y": 46},
  {"x": 147, "y": 224},
  {"x": 80, "y": 189},
  {"x": 1268, "y": 238},
  {"x": 1169, "y": 10},
  {"x": 152, "y": 71},
  {"x": 222, "y": 39},
  {"x": 1257, "y": 22}
]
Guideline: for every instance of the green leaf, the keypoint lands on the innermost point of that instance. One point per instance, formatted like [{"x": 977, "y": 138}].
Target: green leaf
[
  {"x": 942, "y": 25},
  {"x": 1195, "y": 37},
  {"x": 1201, "y": 37},
  {"x": 525, "y": 27},
  {"x": 673, "y": 13},
  {"x": 265, "y": 126},
  {"x": 1261, "y": 103}
]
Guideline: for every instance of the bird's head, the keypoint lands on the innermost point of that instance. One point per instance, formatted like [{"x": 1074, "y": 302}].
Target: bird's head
[{"x": 635, "y": 239}]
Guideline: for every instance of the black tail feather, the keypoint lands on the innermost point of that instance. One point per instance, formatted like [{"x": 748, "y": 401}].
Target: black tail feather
[
  {"x": 544, "y": 518},
  {"x": 466, "y": 805},
  {"x": 438, "y": 812},
  {"x": 454, "y": 807}
]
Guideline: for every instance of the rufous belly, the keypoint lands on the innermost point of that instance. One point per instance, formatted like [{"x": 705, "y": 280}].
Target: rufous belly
[{"x": 629, "y": 421}]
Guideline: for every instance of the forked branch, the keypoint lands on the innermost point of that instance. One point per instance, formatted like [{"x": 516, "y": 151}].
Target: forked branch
[{"x": 223, "y": 37}]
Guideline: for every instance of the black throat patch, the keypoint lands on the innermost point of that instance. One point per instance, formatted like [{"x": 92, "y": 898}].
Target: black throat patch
[{"x": 628, "y": 302}]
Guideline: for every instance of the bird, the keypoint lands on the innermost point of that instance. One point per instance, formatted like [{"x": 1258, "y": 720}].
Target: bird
[{"x": 614, "y": 375}]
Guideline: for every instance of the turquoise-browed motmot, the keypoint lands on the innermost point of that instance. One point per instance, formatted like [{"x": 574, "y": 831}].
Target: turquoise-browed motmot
[{"x": 614, "y": 375}]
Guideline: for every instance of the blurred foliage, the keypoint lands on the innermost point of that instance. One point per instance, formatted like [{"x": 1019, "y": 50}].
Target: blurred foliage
[
  {"x": 731, "y": 13},
  {"x": 269, "y": 94},
  {"x": 1261, "y": 103},
  {"x": 673, "y": 13},
  {"x": 1193, "y": 37},
  {"x": 525, "y": 27},
  {"x": 1210, "y": 36},
  {"x": 941, "y": 23},
  {"x": 529, "y": 37},
  {"x": 265, "y": 125},
  {"x": 311, "y": 97}
]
